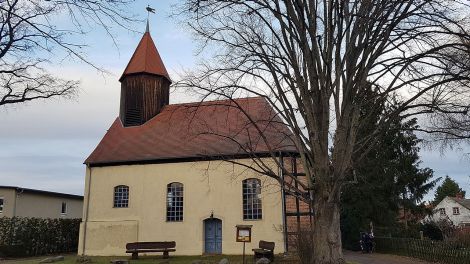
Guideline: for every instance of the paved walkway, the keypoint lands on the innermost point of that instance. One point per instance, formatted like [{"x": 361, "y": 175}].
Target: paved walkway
[{"x": 375, "y": 258}]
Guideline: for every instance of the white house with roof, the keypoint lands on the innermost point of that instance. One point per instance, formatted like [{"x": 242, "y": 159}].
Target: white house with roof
[{"x": 456, "y": 209}]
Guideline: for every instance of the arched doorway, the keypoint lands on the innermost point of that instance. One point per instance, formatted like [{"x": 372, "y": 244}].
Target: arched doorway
[{"x": 213, "y": 236}]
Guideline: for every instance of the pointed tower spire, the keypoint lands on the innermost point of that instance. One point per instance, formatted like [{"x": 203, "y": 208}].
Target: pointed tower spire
[
  {"x": 146, "y": 59},
  {"x": 147, "y": 28},
  {"x": 145, "y": 84}
]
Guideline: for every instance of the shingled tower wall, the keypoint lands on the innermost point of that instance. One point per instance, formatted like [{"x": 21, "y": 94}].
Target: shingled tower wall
[{"x": 145, "y": 85}]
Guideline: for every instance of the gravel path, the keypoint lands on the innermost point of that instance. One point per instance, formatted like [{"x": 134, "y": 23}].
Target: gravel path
[{"x": 375, "y": 258}]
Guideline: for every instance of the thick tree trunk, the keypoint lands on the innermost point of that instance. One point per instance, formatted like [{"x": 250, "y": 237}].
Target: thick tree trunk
[{"x": 327, "y": 234}]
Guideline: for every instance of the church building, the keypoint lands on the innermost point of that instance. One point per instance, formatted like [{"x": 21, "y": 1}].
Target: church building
[{"x": 180, "y": 172}]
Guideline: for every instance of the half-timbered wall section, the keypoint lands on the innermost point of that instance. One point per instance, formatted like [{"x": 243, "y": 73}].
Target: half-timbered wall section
[{"x": 298, "y": 212}]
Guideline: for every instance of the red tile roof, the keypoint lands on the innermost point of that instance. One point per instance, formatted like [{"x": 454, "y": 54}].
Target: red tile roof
[
  {"x": 208, "y": 130},
  {"x": 146, "y": 59}
]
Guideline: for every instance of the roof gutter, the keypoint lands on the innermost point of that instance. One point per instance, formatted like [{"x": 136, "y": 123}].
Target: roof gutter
[{"x": 190, "y": 159}]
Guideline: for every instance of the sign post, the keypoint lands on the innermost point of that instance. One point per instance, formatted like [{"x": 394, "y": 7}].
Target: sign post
[{"x": 244, "y": 235}]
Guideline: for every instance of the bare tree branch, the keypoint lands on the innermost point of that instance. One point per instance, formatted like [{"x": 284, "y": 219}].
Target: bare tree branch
[
  {"x": 319, "y": 62},
  {"x": 30, "y": 34}
]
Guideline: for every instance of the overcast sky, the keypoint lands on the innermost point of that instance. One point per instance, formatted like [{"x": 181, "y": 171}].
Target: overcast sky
[{"x": 43, "y": 144}]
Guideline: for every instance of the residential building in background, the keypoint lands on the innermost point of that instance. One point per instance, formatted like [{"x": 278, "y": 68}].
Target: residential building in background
[
  {"x": 456, "y": 209},
  {"x": 24, "y": 202}
]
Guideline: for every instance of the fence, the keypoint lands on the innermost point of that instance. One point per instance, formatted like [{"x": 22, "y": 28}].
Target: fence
[
  {"x": 20, "y": 236},
  {"x": 442, "y": 252}
]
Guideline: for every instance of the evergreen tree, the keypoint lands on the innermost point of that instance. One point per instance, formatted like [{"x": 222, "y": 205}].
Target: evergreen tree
[
  {"x": 448, "y": 188},
  {"x": 387, "y": 180}
]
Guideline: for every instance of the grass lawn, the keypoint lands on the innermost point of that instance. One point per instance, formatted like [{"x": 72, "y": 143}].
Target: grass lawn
[{"x": 71, "y": 259}]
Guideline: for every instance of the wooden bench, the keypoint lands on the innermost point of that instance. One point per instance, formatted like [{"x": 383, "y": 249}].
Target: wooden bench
[
  {"x": 265, "y": 250},
  {"x": 140, "y": 247}
]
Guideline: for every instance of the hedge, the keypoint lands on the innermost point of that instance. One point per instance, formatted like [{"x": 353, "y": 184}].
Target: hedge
[
  {"x": 434, "y": 251},
  {"x": 23, "y": 236}
]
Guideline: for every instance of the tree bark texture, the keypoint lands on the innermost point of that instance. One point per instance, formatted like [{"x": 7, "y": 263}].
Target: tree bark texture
[{"x": 327, "y": 245}]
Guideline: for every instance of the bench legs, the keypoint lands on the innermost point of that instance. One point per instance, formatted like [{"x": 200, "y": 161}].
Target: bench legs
[
  {"x": 135, "y": 255},
  {"x": 269, "y": 256}
]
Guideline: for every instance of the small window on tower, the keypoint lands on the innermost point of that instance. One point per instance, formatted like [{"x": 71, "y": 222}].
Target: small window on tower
[
  {"x": 63, "y": 209},
  {"x": 1, "y": 204},
  {"x": 456, "y": 211}
]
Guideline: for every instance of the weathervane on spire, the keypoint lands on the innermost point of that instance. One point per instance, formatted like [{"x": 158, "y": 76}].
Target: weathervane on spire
[{"x": 149, "y": 10}]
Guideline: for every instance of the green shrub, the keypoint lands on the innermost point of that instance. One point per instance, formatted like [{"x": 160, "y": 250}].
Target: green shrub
[
  {"x": 11, "y": 250},
  {"x": 432, "y": 231},
  {"x": 23, "y": 236}
]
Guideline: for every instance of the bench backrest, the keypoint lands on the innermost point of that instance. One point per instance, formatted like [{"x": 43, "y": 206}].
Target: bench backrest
[
  {"x": 266, "y": 245},
  {"x": 150, "y": 245}
]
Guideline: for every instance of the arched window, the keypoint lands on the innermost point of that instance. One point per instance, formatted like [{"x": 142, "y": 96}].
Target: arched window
[
  {"x": 251, "y": 199},
  {"x": 174, "y": 202},
  {"x": 121, "y": 196}
]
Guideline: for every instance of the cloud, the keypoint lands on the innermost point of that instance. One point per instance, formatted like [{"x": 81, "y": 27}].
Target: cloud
[
  {"x": 452, "y": 163},
  {"x": 43, "y": 144},
  {"x": 47, "y": 164}
]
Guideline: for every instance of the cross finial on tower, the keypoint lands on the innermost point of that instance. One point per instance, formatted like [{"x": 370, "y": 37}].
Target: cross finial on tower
[{"x": 149, "y": 10}]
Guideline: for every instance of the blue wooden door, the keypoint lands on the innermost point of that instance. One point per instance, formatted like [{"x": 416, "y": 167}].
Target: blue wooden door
[{"x": 213, "y": 236}]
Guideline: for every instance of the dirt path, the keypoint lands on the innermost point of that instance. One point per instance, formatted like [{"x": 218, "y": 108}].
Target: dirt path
[{"x": 375, "y": 258}]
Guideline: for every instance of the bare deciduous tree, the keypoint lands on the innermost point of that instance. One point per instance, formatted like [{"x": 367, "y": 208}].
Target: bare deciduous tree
[
  {"x": 447, "y": 126},
  {"x": 33, "y": 31},
  {"x": 319, "y": 62}
]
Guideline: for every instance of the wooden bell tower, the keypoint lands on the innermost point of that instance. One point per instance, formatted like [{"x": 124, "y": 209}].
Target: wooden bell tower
[{"x": 145, "y": 84}]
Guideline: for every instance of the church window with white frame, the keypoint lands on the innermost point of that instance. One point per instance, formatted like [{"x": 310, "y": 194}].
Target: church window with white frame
[
  {"x": 174, "y": 202},
  {"x": 121, "y": 196},
  {"x": 252, "y": 207}
]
